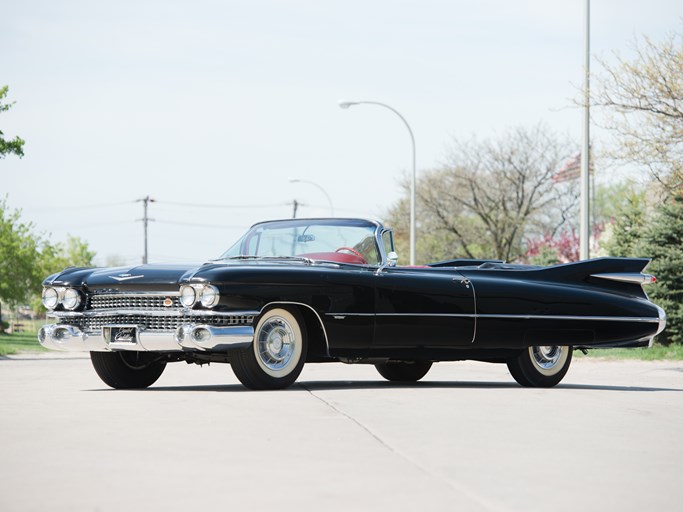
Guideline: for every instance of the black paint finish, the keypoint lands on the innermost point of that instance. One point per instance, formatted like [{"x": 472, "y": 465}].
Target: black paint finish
[{"x": 431, "y": 312}]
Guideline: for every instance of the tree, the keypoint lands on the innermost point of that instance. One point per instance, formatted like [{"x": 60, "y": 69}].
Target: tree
[
  {"x": 662, "y": 240},
  {"x": 628, "y": 225},
  {"x": 19, "y": 257},
  {"x": 9, "y": 146},
  {"x": 26, "y": 259},
  {"x": 73, "y": 253},
  {"x": 616, "y": 207},
  {"x": 490, "y": 196},
  {"x": 642, "y": 104},
  {"x": 57, "y": 257}
]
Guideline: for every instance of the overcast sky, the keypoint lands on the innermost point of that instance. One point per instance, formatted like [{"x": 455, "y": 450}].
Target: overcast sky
[{"x": 216, "y": 103}]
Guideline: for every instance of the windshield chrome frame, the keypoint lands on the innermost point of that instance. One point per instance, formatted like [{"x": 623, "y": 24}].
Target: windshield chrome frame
[{"x": 378, "y": 230}]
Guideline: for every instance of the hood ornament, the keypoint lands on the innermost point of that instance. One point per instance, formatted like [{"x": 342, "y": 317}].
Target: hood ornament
[{"x": 125, "y": 277}]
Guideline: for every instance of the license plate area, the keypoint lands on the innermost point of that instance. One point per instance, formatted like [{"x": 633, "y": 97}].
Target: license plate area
[{"x": 120, "y": 334}]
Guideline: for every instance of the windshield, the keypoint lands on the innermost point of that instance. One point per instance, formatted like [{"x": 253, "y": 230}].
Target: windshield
[{"x": 348, "y": 241}]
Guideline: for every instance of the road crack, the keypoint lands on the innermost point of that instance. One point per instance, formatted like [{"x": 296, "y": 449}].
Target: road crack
[{"x": 454, "y": 486}]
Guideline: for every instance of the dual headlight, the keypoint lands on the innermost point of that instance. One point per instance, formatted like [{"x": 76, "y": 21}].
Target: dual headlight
[
  {"x": 69, "y": 298},
  {"x": 206, "y": 294}
]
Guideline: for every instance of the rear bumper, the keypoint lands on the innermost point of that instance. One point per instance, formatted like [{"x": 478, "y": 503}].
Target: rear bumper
[
  {"x": 661, "y": 326},
  {"x": 187, "y": 337}
]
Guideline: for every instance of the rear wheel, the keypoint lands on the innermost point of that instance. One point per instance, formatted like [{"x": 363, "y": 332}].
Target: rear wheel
[
  {"x": 404, "y": 371},
  {"x": 541, "y": 367},
  {"x": 277, "y": 355},
  {"x": 127, "y": 370}
]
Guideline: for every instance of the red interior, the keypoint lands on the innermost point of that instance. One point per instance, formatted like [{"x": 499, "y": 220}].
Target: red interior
[{"x": 340, "y": 257}]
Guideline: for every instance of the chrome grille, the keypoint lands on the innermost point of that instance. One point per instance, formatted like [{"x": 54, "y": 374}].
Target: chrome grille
[
  {"x": 133, "y": 301},
  {"x": 155, "y": 322}
]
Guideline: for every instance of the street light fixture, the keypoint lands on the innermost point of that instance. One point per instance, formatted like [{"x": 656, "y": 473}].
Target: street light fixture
[
  {"x": 347, "y": 104},
  {"x": 329, "y": 199}
]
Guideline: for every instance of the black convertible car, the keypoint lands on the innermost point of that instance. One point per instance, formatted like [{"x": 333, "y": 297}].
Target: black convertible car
[{"x": 321, "y": 290}]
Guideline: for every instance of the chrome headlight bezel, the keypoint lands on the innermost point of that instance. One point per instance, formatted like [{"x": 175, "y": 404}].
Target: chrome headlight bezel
[
  {"x": 71, "y": 299},
  {"x": 188, "y": 296},
  {"x": 50, "y": 297},
  {"x": 210, "y": 296},
  {"x": 206, "y": 295}
]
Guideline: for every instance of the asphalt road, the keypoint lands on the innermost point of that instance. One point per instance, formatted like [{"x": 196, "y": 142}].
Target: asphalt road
[{"x": 610, "y": 437}]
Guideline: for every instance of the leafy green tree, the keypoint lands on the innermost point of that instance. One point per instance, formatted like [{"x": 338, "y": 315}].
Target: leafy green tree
[
  {"x": 55, "y": 258},
  {"x": 19, "y": 257},
  {"x": 26, "y": 259},
  {"x": 9, "y": 146},
  {"x": 73, "y": 253},
  {"x": 628, "y": 225},
  {"x": 662, "y": 240}
]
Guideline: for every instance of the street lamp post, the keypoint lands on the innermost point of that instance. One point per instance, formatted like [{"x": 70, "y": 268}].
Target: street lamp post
[
  {"x": 347, "y": 104},
  {"x": 329, "y": 199},
  {"x": 584, "y": 224}
]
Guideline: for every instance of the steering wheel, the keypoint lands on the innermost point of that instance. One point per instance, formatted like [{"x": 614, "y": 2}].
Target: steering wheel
[{"x": 354, "y": 252}]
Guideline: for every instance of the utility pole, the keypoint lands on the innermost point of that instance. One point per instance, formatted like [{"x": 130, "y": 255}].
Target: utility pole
[{"x": 145, "y": 219}]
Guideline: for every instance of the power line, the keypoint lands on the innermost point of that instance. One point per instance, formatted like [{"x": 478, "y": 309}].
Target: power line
[
  {"x": 191, "y": 224},
  {"x": 78, "y": 207},
  {"x": 229, "y": 206},
  {"x": 92, "y": 225}
]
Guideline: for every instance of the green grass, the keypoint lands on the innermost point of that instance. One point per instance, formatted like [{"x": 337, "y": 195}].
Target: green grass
[
  {"x": 656, "y": 353},
  {"x": 19, "y": 342}
]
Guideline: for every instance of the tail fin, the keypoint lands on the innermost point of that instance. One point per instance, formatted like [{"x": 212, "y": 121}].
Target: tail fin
[{"x": 624, "y": 275}]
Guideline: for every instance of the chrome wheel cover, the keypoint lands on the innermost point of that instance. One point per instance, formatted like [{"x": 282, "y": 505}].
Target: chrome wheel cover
[
  {"x": 276, "y": 343},
  {"x": 549, "y": 359}
]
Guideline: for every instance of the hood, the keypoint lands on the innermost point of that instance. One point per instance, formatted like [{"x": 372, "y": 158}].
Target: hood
[{"x": 134, "y": 277}]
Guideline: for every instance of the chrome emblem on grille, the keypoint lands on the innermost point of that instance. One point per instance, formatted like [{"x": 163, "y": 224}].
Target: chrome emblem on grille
[{"x": 168, "y": 302}]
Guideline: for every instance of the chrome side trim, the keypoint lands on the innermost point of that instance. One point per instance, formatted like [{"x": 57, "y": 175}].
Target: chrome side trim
[
  {"x": 575, "y": 317},
  {"x": 512, "y": 317},
  {"x": 342, "y": 315},
  {"x": 322, "y": 325},
  {"x": 474, "y": 296}
]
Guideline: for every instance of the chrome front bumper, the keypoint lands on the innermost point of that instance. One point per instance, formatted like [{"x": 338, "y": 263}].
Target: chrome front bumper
[{"x": 184, "y": 338}]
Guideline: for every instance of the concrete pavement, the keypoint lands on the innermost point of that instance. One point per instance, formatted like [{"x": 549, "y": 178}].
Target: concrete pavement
[{"x": 467, "y": 438}]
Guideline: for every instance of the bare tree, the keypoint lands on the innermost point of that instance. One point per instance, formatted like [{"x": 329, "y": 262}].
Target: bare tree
[
  {"x": 490, "y": 195},
  {"x": 641, "y": 101}
]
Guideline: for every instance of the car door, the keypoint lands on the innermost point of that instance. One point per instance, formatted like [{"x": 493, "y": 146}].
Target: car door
[{"x": 423, "y": 307}]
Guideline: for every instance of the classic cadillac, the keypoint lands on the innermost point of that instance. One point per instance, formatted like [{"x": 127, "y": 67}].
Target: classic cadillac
[{"x": 321, "y": 290}]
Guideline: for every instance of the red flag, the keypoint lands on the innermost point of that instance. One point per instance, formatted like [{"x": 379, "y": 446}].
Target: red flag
[{"x": 571, "y": 170}]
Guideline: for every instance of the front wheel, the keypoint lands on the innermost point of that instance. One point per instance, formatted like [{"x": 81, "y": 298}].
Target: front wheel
[
  {"x": 404, "y": 371},
  {"x": 541, "y": 367},
  {"x": 277, "y": 355},
  {"x": 127, "y": 370}
]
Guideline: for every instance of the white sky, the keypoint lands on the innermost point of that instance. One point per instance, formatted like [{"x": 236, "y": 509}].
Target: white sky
[{"x": 219, "y": 102}]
